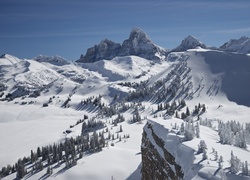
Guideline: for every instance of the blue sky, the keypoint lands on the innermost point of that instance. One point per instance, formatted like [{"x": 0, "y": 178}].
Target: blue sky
[{"x": 68, "y": 27}]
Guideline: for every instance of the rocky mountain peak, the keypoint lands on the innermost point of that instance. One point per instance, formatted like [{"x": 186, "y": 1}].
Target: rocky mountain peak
[
  {"x": 138, "y": 44},
  {"x": 139, "y": 35},
  {"x": 190, "y": 42},
  {"x": 106, "y": 49}
]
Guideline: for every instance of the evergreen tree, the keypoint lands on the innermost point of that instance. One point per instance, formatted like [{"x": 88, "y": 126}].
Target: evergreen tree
[
  {"x": 183, "y": 115},
  {"x": 182, "y": 129},
  {"x": 32, "y": 156},
  {"x": 215, "y": 155},
  {"x": 245, "y": 168},
  {"x": 38, "y": 152},
  {"x": 202, "y": 146},
  {"x": 187, "y": 112},
  {"x": 21, "y": 171},
  {"x": 197, "y": 131},
  {"x": 176, "y": 114},
  {"x": 234, "y": 163},
  {"x": 189, "y": 133},
  {"x": 203, "y": 108},
  {"x": 220, "y": 162},
  {"x": 49, "y": 170}
]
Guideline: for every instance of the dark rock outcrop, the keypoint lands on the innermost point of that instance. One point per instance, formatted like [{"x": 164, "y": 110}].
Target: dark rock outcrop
[
  {"x": 106, "y": 49},
  {"x": 157, "y": 162}
]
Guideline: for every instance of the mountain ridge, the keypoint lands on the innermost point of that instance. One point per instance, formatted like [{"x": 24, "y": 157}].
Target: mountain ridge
[
  {"x": 138, "y": 44},
  {"x": 241, "y": 45}
]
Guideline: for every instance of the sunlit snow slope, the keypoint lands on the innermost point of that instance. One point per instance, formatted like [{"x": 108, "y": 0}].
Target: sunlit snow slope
[{"x": 41, "y": 99}]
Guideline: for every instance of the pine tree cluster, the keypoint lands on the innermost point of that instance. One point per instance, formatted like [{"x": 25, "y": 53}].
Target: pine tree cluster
[
  {"x": 166, "y": 89},
  {"x": 232, "y": 133}
]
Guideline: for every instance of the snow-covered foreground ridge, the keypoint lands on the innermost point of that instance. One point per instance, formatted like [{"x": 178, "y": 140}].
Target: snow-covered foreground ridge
[
  {"x": 203, "y": 157},
  {"x": 82, "y": 116}
]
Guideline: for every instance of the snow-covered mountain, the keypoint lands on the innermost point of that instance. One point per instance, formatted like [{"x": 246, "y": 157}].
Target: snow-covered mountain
[
  {"x": 88, "y": 118},
  {"x": 7, "y": 59},
  {"x": 138, "y": 44},
  {"x": 241, "y": 45},
  {"x": 189, "y": 42},
  {"x": 57, "y": 60}
]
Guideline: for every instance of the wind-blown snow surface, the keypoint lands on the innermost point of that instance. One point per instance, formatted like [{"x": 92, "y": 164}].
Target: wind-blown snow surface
[{"x": 25, "y": 124}]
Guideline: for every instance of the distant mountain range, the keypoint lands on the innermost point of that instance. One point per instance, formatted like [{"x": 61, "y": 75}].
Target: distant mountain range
[
  {"x": 140, "y": 44},
  {"x": 241, "y": 45}
]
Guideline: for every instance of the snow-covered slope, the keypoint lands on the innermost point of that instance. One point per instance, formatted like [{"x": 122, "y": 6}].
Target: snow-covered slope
[
  {"x": 41, "y": 99},
  {"x": 122, "y": 68},
  {"x": 241, "y": 45},
  {"x": 7, "y": 59}
]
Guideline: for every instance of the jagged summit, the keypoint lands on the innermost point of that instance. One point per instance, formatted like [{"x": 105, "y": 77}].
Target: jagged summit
[
  {"x": 189, "y": 42},
  {"x": 241, "y": 45},
  {"x": 138, "y": 44},
  {"x": 139, "y": 35},
  {"x": 106, "y": 49}
]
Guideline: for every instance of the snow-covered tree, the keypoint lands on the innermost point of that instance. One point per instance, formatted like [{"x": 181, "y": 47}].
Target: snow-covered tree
[
  {"x": 49, "y": 170},
  {"x": 202, "y": 146},
  {"x": 21, "y": 170},
  {"x": 197, "y": 130},
  {"x": 215, "y": 155},
  {"x": 220, "y": 162},
  {"x": 189, "y": 131},
  {"x": 234, "y": 163},
  {"x": 187, "y": 112},
  {"x": 232, "y": 133},
  {"x": 182, "y": 129},
  {"x": 245, "y": 168}
]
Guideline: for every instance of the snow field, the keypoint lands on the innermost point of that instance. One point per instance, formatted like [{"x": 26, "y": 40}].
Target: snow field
[{"x": 25, "y": 127}]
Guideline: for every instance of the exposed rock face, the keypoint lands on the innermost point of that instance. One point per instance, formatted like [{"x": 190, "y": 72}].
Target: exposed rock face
[
  {"x": 189, "y": 42},
  {"x": 157, "y": 162},
  {"x": 138, "y": 44},
  {"x": 106, "y": 49}
]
